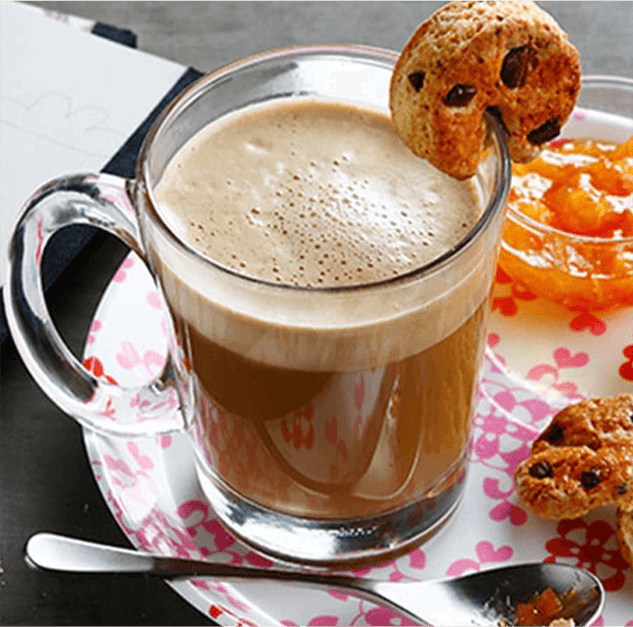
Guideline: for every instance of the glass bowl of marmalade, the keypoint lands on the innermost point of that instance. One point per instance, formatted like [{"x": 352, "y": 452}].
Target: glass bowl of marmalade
[{"x": 568, "y": 235}]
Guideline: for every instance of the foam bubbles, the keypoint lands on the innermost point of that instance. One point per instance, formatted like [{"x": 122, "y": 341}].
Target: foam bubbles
[{"x": 347, "y": 204}]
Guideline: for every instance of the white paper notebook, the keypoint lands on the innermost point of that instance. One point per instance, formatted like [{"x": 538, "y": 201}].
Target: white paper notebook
[{"x": 68, "y": 101}]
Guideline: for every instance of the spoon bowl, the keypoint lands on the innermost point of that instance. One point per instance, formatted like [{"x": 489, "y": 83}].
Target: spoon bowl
[{"x": 484, "y": 598}]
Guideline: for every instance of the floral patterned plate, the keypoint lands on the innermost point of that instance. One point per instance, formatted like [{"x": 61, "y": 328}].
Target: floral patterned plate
[{"x": 152, "y": 491}]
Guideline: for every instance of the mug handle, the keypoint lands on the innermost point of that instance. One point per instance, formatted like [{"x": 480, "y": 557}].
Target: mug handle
[{"x": 103, "y": 201}]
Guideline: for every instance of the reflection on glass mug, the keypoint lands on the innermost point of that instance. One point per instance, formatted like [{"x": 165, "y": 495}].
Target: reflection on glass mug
[{"x": 326, "y": 292}]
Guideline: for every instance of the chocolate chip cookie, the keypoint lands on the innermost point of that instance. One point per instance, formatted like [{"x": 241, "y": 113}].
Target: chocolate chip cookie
[
  {"x": 583, "y": 459},
  {"x": 508, "y": 58}
]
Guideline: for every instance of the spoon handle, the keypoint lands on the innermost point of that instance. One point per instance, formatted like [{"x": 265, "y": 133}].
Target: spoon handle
[
  {"x": 58, "y": 553},
  {"x": 53, "y": 552}
]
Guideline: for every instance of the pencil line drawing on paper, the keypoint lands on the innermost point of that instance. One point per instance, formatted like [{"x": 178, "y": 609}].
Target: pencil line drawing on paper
[{"x": 54, "y": 118}]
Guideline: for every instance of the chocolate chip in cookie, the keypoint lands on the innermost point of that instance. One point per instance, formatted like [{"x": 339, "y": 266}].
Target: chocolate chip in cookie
[
  {"x": 541, "y": 470},
  {"x": 417, "y": 80},
  {"x": 544, "y": 133},
  {"x": 517, "y": 64}
]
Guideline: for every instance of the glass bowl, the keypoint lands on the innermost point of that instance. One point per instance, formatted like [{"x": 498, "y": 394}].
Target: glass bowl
[{"x": 580, "y": 272}]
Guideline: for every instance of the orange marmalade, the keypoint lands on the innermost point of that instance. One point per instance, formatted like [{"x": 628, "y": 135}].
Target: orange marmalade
[
  {"x": 569, "y": 232},
  {"x": 542, "y": 609}
]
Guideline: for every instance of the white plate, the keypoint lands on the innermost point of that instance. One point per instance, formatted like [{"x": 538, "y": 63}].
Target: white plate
[{"x": 556, "y": 356}]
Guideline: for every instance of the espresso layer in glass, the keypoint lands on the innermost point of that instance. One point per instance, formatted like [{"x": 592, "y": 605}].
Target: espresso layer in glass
[{"x": 337, "y": 444}]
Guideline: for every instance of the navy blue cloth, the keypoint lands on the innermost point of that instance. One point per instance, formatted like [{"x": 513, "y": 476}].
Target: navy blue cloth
[
  {"x": 120, "y": 35},
  {"x": 67, "y": 244},
  {"x": 124, "y": 161}
]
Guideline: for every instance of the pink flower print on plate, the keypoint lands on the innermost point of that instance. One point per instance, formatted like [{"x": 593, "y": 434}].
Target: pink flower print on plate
[
  {"x": 486, "y": 553},
  {"x": 121, "y": 273},
  {"x": 504, "y": 510},
  {"x": 95, "y": 327},
  {"x": 564, "y": 358},
  {"x": 143, "y": 461},
  {"x": 497, "y": 428},
  {"x": 380, "y": 616},
  {"x": 496, "y": 361},
  {"x": 206, "y": 531},
  {"x": 550, "y": 375},
  {"x": 579, "y": 115},
  {"x": 178, "y": 519},
  {"x": 128, "y": 357},
  {"x": 153, "y": 299}
]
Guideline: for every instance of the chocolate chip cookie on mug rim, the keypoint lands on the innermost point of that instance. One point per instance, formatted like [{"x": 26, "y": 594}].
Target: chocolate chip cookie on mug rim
[{"x": 506, "y": 57}]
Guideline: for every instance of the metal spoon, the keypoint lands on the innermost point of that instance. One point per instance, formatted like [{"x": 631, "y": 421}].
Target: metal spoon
[{"x": 485, "y": 598}]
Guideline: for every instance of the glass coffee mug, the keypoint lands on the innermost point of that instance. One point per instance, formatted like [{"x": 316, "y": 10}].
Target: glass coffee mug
[{"x": 328, "y": 425}]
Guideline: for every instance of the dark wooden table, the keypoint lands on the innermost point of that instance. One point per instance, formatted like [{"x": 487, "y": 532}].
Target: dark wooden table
[{"x": 46, "y": 482}]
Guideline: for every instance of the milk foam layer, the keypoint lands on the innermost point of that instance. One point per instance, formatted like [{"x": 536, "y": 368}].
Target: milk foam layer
[
  {"x": 316, "y": 194},
  {"x": 312, "y": 195}
]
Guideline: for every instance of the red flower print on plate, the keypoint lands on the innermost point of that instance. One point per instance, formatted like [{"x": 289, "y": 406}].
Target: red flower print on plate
[
  {"x": 591, "y": 546},
  {"x": 588, "y": 321},
  {"x": 626, "y": 369},
  {"x": 94, "y": 365},
  {"x": 507, "y": 305}
]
